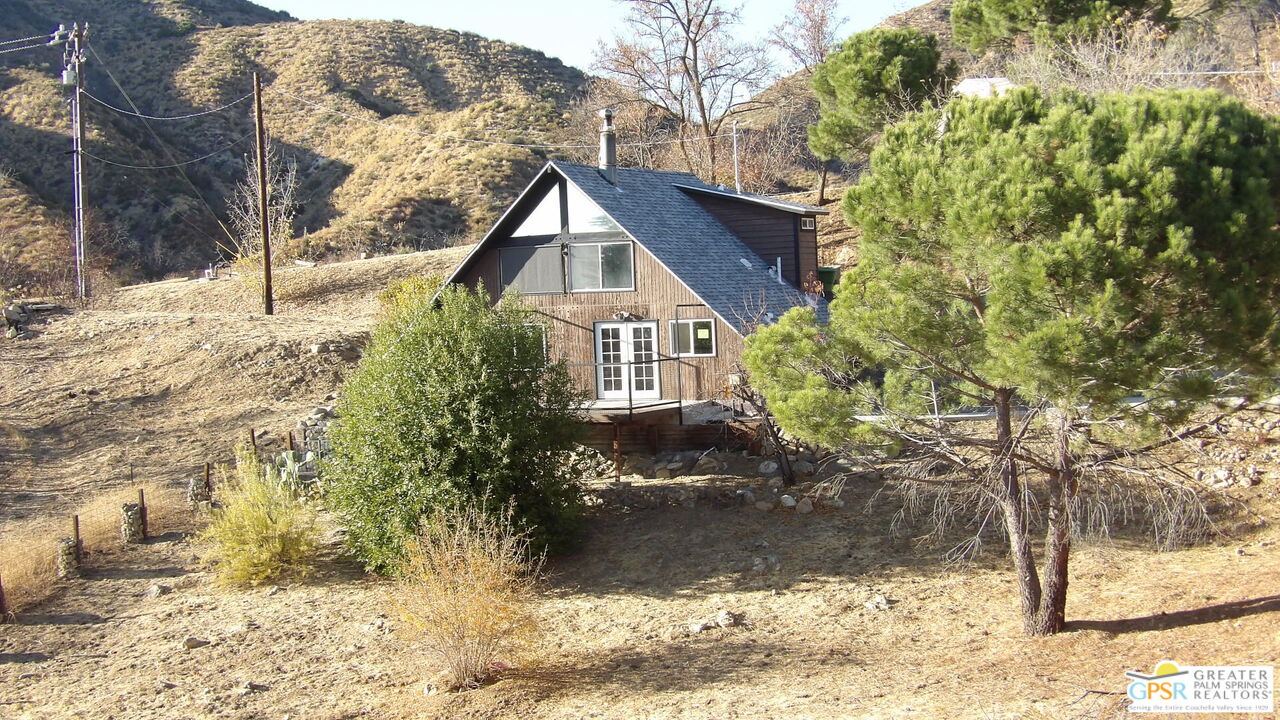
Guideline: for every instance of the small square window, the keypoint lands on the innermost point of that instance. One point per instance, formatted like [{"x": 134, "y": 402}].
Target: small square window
[
  {"x": 693, "y": 338},
  {"x": 807, "y": 223}
]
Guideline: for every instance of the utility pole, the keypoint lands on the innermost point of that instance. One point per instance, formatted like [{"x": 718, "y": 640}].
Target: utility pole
[
  {"x": 737, "y": 172},
  {"x": 73, "y": 75},
  {"x": 267, "y": 302}
]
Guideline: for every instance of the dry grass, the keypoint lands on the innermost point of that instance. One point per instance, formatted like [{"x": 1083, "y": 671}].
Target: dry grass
[
  {"x": 468, "y": 595},
  {"x": 262, "y": 531},
  {"x": 27, "y": 554}
]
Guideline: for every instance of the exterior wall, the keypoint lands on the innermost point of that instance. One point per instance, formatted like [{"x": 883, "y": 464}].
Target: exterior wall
[
  {"x": 770, "y": 233},
  {"x": 656, "y": 297}
]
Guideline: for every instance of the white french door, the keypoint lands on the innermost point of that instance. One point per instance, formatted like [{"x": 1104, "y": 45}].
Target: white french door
[{"x": 626, "y": 361}]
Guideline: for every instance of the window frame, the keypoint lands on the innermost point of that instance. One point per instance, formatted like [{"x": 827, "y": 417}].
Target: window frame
[
  {"x": 674, "y": 338},
  {"x": 808, "y": 223},
  {"x": 599, "y": 265}
]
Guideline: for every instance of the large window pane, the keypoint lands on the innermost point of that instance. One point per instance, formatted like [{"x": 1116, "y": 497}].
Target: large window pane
[
  {"x": 615, "y": 266},
  {"x": 584, "y": 267},
  {"x": 600, "y": 266},
  {"x": 532, "y": 269}
]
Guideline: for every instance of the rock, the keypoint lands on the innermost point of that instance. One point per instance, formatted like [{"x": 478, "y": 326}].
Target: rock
[
  {"x": 251, "y": 686},
  {"x": 765, "y": 505},
  {"x": 768, "y": 467},
  {"x": 803, "y": 467},
  {"x": 317, "y": 349},
  {"x": 663, "y": 474},
  {"x": 805, "y": 506},
  {"x": 443, "y": 682},
  {"x": 773, "y": 483},
  {"x": 727, "y": 619},
  {"x": 764, "y": 564},
  {"x": 157, "y": 590},
  {"x": 192, "y": 643},
  {"x": 706, "y": 466},
  {"x": 700, "y": 626},
  {"x": 788, "y": 502},
  {"x": 879, "y": 602},
  {"x": 275, "y": 590},
  {"x": 676, "y": 466},
  {"x": 746, "y": 497},
  {"x": 165, "y": 685},
  {"x": 15, "y": 313},
  {"x": 834, "y": 502}
]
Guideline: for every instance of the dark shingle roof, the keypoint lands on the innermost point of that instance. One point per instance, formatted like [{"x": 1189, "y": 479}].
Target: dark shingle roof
[{"x": 651, "y": 206}]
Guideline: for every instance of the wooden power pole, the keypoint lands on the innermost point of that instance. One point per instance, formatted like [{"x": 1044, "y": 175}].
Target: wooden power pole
[{"x": 268, "y": 303}]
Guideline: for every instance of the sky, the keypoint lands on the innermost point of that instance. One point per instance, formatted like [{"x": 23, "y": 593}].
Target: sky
[{"x": 567, "y": 29}]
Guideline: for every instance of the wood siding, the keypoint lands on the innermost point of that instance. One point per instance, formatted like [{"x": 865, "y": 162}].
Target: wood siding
[
  {"x": 771, "y": 233},
  {"x": 656, "y": 297}
]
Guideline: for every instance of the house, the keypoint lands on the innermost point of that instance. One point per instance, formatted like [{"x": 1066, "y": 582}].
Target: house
[{"x": 649, "y": 279}]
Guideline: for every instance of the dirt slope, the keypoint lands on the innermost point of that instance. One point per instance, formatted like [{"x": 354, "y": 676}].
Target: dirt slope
[{"x": 162, "y": 378}]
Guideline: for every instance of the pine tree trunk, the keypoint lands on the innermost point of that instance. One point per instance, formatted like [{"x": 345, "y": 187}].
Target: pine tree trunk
[
  {"x": 1012, "y": 506},
  {"x": 1052, "y": 616},
  {"x": 822, "y": 183}
]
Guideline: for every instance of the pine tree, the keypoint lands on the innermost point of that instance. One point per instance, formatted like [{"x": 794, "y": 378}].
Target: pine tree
[
  {"x": 979, "y": 24},
  {"x": 1051, "y": 258},
  {"x": 875, "y": 77}
]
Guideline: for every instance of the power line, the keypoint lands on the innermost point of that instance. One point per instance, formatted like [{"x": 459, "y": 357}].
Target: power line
[
  {"x": 164, "y": 147},
  {"x": 122, "y": 111},
  {"x": 26, "y": 39},
  {"x": 19, "y": 49},
  {"x": 175, "y": 165},
  {"x": 455, "y": 138}
]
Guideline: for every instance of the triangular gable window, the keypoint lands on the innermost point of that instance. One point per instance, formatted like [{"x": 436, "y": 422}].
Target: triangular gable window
[
  {"x": 545, "y": 218},
  {"x": 585, "y": 216}
]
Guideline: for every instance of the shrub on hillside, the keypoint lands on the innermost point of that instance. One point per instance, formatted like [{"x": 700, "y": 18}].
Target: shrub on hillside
[
  {"x": 466, "y": 593},
  {"x": 262, "y": 530},
  {"x": 454, "y": 401}
]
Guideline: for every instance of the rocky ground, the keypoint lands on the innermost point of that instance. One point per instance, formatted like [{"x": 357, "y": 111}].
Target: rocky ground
[
  {"x": 702, "y": 607},
  {"x": 702, "y": 588}
]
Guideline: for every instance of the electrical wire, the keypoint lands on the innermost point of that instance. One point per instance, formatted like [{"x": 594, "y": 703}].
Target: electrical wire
[
  {"x": 164, "y": 147},
  {"x": 122, "y": 111},
  {"x": 455, "y": 138},
  {"x": 26, "y": 39},
  {"x": 175, "y": 165},
  {"x": 29, "y": 47}
]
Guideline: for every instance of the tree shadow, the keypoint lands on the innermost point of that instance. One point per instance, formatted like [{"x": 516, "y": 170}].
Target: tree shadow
[
  {"x": 31, "y": 657},
  {"x": 1183, "y": 618},
  {"x": 133, "y": 573},
  {"x": 75, "y": 618}
]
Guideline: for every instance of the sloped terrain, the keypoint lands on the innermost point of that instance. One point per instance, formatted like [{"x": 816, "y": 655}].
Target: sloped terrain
[
  {"x": 380, "y": 172},
  {"x": 159, "y": 379}
]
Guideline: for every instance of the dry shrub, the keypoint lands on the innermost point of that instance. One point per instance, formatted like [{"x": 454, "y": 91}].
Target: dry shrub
[
  {"x": 29, "y": 548},
  {"x": 467, "y": 593},
  {"x": 262, "y": 530}
]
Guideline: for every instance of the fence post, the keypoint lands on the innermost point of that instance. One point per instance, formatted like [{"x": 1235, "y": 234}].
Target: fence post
[
  {"x": 4, "y": 607},
  {"x": 142, "y": 512},
  {"x": 288, "y": 440},
  {"x": 208, "y": 479},
  {"x": 617, "y": 453},
  {"x": 253, "y": 440},
  {"x": 75, "y": 535}
]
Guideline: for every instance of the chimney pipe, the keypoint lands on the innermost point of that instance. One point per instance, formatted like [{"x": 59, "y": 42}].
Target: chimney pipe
[{"x": 608, "y": 148}]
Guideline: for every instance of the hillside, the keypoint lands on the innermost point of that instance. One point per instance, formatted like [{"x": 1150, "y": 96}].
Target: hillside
[{"x": 363, "y": 185}]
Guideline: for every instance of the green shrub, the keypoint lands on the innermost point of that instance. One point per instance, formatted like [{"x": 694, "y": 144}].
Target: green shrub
[
  {"x": 262, "y": 531},
  {"x": 454, "y": 402}
]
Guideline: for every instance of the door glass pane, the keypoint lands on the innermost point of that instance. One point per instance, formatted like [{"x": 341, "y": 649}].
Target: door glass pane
[
  {"x": 615, "y": 265},
  {"x": 611, "y": 352},
  {"x": 644, "y": 370},
  {"x": 584, "y": 267}
]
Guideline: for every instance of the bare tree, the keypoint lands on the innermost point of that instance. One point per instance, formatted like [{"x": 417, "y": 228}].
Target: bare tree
[
  {"x": 809, "y": 32},
  {"x": 682, "y": 56},
  {"x": 245, "y": 212},
  {"x": 1123, "y": 59}
]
